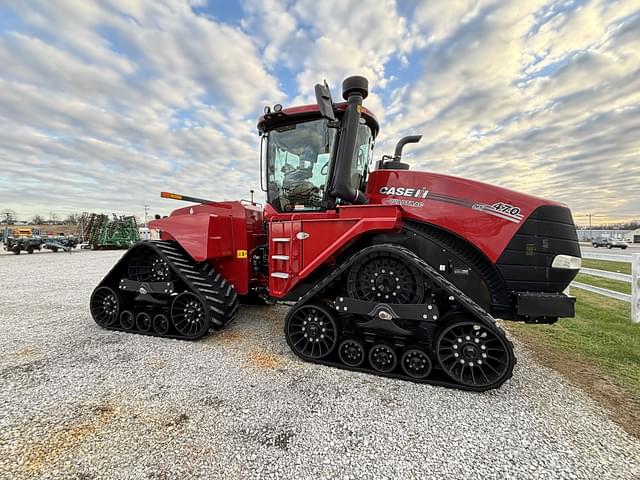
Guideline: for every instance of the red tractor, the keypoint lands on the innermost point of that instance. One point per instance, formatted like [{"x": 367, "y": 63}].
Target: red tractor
[{"x": 390, "y": 271}]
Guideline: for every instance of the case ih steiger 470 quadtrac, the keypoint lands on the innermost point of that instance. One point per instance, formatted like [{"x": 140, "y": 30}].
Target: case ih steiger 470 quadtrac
[{"x": 390, "y": 271}]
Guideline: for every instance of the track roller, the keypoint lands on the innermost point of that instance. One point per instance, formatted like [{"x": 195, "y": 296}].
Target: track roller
[
  {"x": 143, "y": 322},
  {"x": 383, "y": 358},
  {"x": 416, "y": 363},
  {"x": 161, "y": 324},
  {"x": 127, "y": 320},
  {"x": 351, "y": 353}
]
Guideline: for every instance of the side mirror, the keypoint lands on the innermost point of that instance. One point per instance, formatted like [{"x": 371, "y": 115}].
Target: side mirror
[{"x": 323, "y": 97}]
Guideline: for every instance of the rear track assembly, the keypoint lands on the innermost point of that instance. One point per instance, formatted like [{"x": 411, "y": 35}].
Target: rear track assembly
[{"x": 157, "y": 289}]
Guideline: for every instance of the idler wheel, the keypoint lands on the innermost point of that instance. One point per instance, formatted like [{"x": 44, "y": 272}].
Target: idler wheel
[
  {"x": 161, "y": 324},
  {"x": 105, "y": 306},
  {"x": 311, "y": 331},
  {"x": 143, "y": 322},
  {"x": 189, "y": 315},
  {"x": 383, "y": 358},
  {"x": 127, "y": 320},
  {"x": 473, "y": 354},
  {"x": 387, "y": 278},
  {"x": 146, "y": 265},
  {"x": 416, "y": 363},
  {"x": 351, "y": 353}
]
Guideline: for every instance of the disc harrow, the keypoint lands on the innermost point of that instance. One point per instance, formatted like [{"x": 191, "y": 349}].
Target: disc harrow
[{"x": 158, "y": 289}]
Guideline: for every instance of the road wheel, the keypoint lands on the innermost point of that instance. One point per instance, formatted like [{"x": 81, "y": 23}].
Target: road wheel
[
  {"x": 474, "y": 355},
  {"x": 609, "y": 247},
  {"x": 30, "y": 250},
  {"x": 311, "y": 331}
]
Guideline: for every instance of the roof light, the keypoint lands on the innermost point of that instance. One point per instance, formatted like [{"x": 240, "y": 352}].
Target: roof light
[
  {"x": 277, "y": 108},
  {"x": 267, "y": 110}
]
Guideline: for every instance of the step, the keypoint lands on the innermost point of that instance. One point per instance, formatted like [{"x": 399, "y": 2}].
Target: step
[
  {"x": 280, "y": 275},
  {"x": 280, "y": 257},
  {"x": 280, "y": 240}
]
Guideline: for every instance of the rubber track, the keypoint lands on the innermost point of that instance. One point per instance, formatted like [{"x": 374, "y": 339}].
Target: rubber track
[
  {"x": 200, "y": 278},
  {"x": 429, "y": 272}
]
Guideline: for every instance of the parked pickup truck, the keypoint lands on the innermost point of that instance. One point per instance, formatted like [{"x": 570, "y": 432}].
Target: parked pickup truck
[
  {"x": 609, "y": 243},
  {"x": 22, "y": 244}
]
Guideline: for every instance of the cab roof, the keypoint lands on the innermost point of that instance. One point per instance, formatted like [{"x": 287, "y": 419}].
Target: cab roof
[{"x": 304, "y": 113}]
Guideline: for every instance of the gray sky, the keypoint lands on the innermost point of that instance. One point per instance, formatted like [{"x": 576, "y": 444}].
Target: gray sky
[{"x": 104, "y": 105}]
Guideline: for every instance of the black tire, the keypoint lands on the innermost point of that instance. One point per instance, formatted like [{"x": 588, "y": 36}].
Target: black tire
[
  {"x": 383, "y": 358},
  {"x": 311, "y": 331},
  {"x": 16, "y": 250},
  {"x": 595, "y": 245},
  {"x": 29, "y": 250},
  {"x": 104, "y": 306},
  {"x": 473, "y": 354},
  {"x": 54, "y": 249}
]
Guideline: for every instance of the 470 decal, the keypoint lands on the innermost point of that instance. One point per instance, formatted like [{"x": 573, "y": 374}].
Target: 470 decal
[{"x": 502, "y": 210}]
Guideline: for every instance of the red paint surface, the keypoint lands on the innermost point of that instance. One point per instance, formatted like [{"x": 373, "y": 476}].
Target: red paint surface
[{"x": 488, "y": 233}]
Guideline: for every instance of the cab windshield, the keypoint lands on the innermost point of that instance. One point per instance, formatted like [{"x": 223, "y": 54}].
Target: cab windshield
[
  {"x": 298, "y": 159},
  {"x": 298, "y": 164}
]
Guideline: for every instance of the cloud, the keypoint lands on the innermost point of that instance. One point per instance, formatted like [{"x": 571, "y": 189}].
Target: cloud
[{"x": 103, "y": 105}]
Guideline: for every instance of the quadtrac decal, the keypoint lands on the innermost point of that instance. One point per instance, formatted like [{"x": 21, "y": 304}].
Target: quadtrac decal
[{"x": 409, "y": 195}]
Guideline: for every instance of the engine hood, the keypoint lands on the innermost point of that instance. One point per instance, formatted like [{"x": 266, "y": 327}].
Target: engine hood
[{"x": 486, "y": 215}]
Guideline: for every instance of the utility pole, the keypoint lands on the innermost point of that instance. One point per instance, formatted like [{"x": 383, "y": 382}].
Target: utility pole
[
  {"x": 590, "y": 216},
  {"x": 146, "y": 214}
]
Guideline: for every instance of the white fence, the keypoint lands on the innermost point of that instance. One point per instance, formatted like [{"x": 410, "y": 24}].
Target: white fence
[{"x": 633, "y": 279}]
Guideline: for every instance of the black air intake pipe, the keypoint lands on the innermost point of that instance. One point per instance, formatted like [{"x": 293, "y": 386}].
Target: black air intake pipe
[{"x": 354, "y": 90}]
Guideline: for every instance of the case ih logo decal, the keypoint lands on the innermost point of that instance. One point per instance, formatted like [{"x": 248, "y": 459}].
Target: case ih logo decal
[
  {"x": 405, "y": 192},
  {"x": 500, "y": 209},
  {"x": 412, "y": 197}
]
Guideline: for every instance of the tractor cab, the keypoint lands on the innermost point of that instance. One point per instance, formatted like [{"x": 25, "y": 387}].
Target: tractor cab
[{"x": 317, "y": 156}]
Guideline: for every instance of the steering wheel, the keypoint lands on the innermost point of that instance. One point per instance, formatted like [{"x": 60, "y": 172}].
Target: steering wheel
[{"x": 325, "y": 169}]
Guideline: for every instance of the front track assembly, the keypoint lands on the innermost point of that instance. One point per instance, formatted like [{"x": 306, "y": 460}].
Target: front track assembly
[
  {"x": 158, "y": 289},
  {"x": 386, "y": 311}
]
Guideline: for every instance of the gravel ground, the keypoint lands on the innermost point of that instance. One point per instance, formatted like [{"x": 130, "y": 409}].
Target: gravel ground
[{"x": 77, "y": 401}]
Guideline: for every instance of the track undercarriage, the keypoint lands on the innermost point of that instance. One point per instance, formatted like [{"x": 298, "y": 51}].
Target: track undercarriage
[
  {"x": 157, "y": 289},
  {"x": 385, "y": 311}
]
